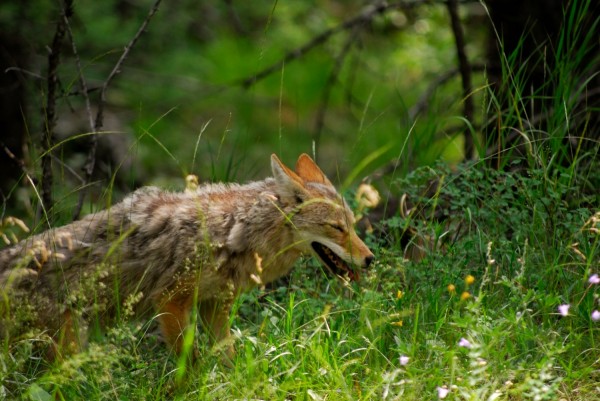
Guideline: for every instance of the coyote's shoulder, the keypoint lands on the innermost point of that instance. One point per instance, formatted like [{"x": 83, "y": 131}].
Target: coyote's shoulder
[{"x": 171, "y": 250}]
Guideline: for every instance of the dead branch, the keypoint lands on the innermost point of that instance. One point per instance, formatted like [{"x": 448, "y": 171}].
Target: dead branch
[
  {"x": 331, "y": 80},
  {"x": 49, "y": 117},
  {"x": 82, "y": 82},
  {"x": 98, "y": 122},
  {"x": 18, "y": 162},
  {"x": 465, "y": 73},
  {"x": 422, "y": 104},
  {"x": 90, "y": 161},
  {"x": 368, "y": 13},
  {"x": 235, "y": 18}
]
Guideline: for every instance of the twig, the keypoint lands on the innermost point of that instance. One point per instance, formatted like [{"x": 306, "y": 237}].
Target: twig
[
  {"x": 117, "y": 68},
  {"x": 98, "y": 122},
  {"x": 423, "y": 103},
  {"x": 82, "y": 83},
  {"x": 20, "y": 163},
  {"x": 49, "y": 118},
  {"x": 331, "y": 79},
  {"x": 465, "y": 73},
  {"x": 365, "y": 16},
  {"x": 234, "y": 18},
  {"x": 26, "y": 72},
  {"x": 349, "y": 84},
  {"x": 79, "y": 92},
  {"x": 92, "y": 151}
]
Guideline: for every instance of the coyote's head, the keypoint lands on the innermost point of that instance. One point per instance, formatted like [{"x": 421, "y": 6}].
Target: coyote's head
[{"x": 319, "y": 217}]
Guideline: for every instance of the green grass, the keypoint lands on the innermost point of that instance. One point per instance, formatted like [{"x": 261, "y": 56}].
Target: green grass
[{"x": 528, "y": 244}]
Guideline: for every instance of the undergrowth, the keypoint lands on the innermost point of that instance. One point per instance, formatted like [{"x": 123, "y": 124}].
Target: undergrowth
[{"x": 476, "y": 318}]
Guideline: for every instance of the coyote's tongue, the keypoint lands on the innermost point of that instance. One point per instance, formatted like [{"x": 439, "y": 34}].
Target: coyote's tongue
[{"x": 334, "y": 263}]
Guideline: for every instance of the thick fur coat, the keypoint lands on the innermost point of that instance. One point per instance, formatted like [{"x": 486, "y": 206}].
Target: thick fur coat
[{"x": 158, "y": 253}]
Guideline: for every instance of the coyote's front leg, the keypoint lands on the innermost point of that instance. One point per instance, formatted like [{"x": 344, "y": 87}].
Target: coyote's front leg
[
  {"x": 173, "y": 318},
  {"x": 215, "y": 315}
]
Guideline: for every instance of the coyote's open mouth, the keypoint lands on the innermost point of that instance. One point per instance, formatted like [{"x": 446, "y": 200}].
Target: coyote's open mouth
[{"x": 334, "y": 263}]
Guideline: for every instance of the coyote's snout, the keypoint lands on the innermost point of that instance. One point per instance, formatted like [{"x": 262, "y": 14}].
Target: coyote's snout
[{"x": 164, "y": 252}]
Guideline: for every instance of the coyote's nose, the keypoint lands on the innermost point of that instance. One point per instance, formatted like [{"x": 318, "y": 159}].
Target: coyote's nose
[{"x": 368, "y": 260}]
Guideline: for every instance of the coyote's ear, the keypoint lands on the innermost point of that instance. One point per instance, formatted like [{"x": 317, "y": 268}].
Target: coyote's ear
[
  {"x": 290, "y": 184},
  {"x": 308, "y": 170}
]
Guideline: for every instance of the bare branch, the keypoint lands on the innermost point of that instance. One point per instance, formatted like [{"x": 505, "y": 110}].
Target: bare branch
[
  {"x": 88, "y": 168},
  {"x": 82, "y": 83},
  {"x": 368, "y": 13},
  {"x": 20, "y": 163},
  {"x": 331, "y": 80},
  {"x": 117, "y": 68},
  {"x": 235, "y": 18},
  {"x": 49, "y": 117},
  {"x": 25, "y": 72},
  {"x": 98, "y": 122},
  {"x": 423, "y": 103}
]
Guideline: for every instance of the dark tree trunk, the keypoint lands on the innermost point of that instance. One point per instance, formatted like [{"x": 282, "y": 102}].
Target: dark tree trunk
[{"x": 13, "y": 56}]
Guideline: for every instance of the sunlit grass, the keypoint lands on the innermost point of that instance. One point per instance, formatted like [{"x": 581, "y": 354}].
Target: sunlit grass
[{"x": 482, "y": 318}]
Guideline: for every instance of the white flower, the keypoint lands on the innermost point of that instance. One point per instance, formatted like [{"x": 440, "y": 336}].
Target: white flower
[
  {"x": 594, "y": 279},
  {"x": 464, "y": 343},
  {"x": 564, "y": 309},
  {"x": 442, "y": 392},
  {"x": 404, "y": 360},
  {"x": 595, "y": 315}
]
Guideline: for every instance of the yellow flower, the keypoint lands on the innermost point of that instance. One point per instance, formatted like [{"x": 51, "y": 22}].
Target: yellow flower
[
  {"x": 451, "y": 289},
  {"x": 465, "y": 295},
  {"x": 397, "y": 324},
  {"x": 469, "y": 279},
  {"x": 399, "y": 294}
]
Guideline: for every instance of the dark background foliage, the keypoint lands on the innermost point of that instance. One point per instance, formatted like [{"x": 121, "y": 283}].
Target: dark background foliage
[{"x": 212, "y": 88}]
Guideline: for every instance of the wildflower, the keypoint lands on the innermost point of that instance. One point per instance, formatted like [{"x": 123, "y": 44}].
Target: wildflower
[
  {"x": 191, "y": 183},
  {"x": 564, "y": 309},
  {"x": 451, "y": 289},
  {"x": 442, "y": 392},
  {"x": 465, "y": 295},
  {"x": 399, "y": 294},
  {"x": 399, "y": 323},
  {"x": 594, "y": 279},
  {"x": 367, "y": 196},
  {"x": 596, "y": 316},
  {"x": 464, "y": 343},
  {"x": 469, "y": 279},
  {"x": 404, "y": 360}
]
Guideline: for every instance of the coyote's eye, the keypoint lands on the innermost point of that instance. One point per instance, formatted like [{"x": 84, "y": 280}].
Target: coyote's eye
[{"x": 337, "y": 227}]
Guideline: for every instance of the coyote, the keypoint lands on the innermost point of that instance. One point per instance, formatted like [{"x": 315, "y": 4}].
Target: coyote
[{"x": 168, "y": 254}]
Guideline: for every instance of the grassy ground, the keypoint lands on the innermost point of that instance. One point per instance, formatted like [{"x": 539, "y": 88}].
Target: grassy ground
[{"x": 476, "y": 316}]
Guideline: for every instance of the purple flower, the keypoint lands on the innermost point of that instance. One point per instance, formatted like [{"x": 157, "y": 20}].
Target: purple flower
[
  {"x": 596, "y": 316},
  {"x": 404, "y": 360},
  {"x": 564, "y": 309},
  {"x": 594, "y": 279},
  {"x": 464, "y": 343}
]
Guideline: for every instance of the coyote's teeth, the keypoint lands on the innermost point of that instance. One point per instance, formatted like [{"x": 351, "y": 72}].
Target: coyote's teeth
[{"x": 334, "y": 263}]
